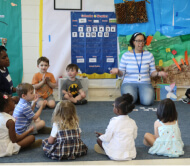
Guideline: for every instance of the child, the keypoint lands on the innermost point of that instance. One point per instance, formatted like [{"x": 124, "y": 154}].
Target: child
[
  {"x": 166, "y": 140},
  {"x": 5, "y": 78},
  {"x": 10, "y": 142},
  {"x": 23, "y": 112},
  {"x": 44, "y": 82},
  {"x": 187, "y": 94},
  {"x": 64, "y": 141},
  {"x": 72, "y": 88},
  {"x": 118, "y": 141}
]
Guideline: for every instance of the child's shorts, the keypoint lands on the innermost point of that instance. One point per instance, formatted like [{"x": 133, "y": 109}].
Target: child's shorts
[
  {"x": 33, "y": 125},
  {"x": 48, "y": 99}
]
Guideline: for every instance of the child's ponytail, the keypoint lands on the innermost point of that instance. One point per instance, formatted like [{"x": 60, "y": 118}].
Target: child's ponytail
[
  {"x": 125, "y": 103},
  {"x": 3, "y": 101}
]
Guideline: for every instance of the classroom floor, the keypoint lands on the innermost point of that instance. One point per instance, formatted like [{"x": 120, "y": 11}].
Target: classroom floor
[
  {"x": 184, "y": 161},
  {"x": 133, "y": 162}
]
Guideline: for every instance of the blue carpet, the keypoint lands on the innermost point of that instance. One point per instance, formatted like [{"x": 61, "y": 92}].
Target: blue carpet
[{"x": 95, "y": 116}]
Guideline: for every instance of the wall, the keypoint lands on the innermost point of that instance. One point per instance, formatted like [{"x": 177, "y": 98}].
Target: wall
[{"x": 30, "y": 36}]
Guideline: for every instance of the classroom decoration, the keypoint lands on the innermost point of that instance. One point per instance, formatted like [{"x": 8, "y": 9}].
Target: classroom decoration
[
  {"x": 171, "y": 18},
  {"x": 121, "y": 14},
  {"x": 169, "y": 53},
  {"x": 94, "y": 43},
  {"x": 166, "y": 91},
  {"x": 131, "y": 12},
  {"x": 11, "y": 30}
]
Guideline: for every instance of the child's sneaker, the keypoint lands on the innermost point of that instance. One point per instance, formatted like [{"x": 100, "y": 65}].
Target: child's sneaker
[
  {"x": 81, "y": 102},
  {"x": 185, "y": 100},
  {"x": 36, "y": 144},
  {"x": 98, "y": 149},
  {"x": 45, "y": 130}
]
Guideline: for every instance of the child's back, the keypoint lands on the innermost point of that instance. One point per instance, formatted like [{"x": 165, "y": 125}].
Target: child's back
[
  {"x": 119, "y": 139},
  {"x": 118, "y": 142},
  {"x": 68, "y": 144},
  {"x": 64, "y": 141},
  {"x": 166, "y": 139},
  {"x": 169, "y": 142},
  {"x": 7, "y": 146}
]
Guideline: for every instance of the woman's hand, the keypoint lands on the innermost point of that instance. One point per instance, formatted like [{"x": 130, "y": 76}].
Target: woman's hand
[
  {"x": 114, "y": 71},
  {"x": 163, "y": 74}
]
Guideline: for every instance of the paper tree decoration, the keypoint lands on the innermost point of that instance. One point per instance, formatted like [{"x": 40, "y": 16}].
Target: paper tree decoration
[{"x": 168, "y": 91}]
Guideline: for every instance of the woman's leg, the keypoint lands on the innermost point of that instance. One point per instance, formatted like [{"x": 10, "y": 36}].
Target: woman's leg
[
  {"x": 146, "y": 94},
  {"x": 130, "y": 88}
]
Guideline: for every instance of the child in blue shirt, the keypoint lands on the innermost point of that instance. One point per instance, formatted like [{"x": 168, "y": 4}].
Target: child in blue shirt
[{"x": 23, "y": 112}]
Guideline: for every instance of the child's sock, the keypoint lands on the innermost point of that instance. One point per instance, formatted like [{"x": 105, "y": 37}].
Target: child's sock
[
  {"x": 36, "y": 144},
  {"x": 45, "y": 130}
]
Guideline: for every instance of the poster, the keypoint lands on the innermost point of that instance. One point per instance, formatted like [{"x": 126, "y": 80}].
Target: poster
[
  {"x": 94, "y": 42},
  {"x": 11, "y": 29}
]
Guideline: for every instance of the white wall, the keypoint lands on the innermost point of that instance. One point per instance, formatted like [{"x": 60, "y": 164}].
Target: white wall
[{"x": 30, "y": 37}]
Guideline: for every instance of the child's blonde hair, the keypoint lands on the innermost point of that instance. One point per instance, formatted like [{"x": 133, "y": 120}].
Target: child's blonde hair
[{"x": 65, "y": 115}]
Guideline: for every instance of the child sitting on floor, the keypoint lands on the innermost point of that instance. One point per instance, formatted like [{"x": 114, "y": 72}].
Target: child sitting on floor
[
  {"x": 166, "y": 140},
  {"x": 44, "y": 82},
  {"x": 23, "y": 112},
  {"x": 5, "y": 78},
  {"x": 10, "y": 142},
  {"x": 64, "y": 141},
  {"x": 118, "y": 142},
  {"x": 72, "y": 88},
  {"x": 187, "y": 94}
]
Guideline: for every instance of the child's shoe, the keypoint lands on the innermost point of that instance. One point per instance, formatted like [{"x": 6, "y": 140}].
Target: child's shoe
[
  {"x": 45, "y": 130},
  {"x": 36, "y": 144},
  {"x": 81, "y": 102},
  {"x": 98, "y": 149},
  {"x": 185, "y": 100}
]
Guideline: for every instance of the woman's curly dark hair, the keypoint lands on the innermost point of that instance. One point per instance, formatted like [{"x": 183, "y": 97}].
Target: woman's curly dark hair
[{"x": 125, "y": 103}]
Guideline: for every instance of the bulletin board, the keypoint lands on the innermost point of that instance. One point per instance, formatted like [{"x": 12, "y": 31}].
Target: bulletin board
[
  {"x": 11, "y": 29},
  {"x": 94, "y": 43}
]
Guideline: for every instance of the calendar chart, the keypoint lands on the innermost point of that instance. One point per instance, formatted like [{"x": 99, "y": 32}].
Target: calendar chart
[{"x": 94, "y": 43}]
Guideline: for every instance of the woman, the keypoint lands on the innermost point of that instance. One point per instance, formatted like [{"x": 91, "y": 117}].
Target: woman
[{"x": 137, "y": 66}]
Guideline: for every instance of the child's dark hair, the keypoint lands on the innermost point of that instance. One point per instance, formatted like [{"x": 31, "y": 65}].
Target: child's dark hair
[
  {"x": 124, "y": 103},
  {"x": 187, "y": 93},
  {"x": 44, "y": 59},
  {"x": 72, "y": 66},
  {"x": 166, "y": 111},
  {"x": 133, "y": 38},
  {"x": 24, "y": 88},
  {"x": 2, "y": 48},
  {"x": 4, "y": 99}
]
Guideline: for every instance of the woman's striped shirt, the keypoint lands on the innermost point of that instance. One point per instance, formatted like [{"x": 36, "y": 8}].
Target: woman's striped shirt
[{"x": 128, "y": 65}]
